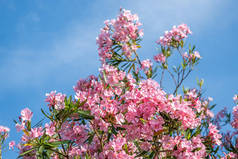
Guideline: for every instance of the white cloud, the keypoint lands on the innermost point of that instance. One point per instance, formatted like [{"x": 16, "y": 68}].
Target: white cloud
[
  {"x": 158, "y": 15},
  {"x": 32, "y": 67},
  {"x": 76, "y": 48}
]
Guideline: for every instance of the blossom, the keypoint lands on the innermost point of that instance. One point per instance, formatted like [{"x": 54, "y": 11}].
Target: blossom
[
  {"x": 230, "y": 155},
  {"x": 210, "y": 113},
  {"x": 160, "y": 58},
  {"x": 210, "y": 99},
  {"x": 214, "y": 134},
  {"x": 176, "y": 34},
  {"x": 185, "y": 149},
  {"x": 4, "y": 129},
  {"x": 119, "y": 31},
  {"x": 185, "y": 55},
  {"x": 197, "y": 55},
  {"x": 146, "y": 64},
  {"x": 234, "y": 123},
  {"x": 235, "y": 98},
  {"x": 55, "y": 100},
  {"x": 20, "y": 127},
  {"x": 11, "y": 145},
  {"x": 191, "y": 56},
  {"x": 50, "y": 129},
  {"x": 26, "y": 114},
  {"x": 36, "y": 132}
]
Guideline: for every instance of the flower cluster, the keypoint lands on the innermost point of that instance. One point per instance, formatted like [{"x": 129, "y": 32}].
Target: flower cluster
[
  {"x": 214, "y": 134},
  {"x": 24, "y": 119},
  {"x": 175, "y": 35},
  {"x": 146, "y": 66},
  {"x": 56, "y": 100},
  {"x": 160, "y": 58},
  {"x": 121, "y": 33},
  {"x": 4, "y": 132},
  {"x": 235, "y": 117},
  {"x": 4, "y": 129},
  {"x": 235, "y": 98},
  {"x": 230, "y": 155},
  {"x": 192, "y": 56},
  {"x": 187, "y": 149},
  {"x": 230, "y": 138}
]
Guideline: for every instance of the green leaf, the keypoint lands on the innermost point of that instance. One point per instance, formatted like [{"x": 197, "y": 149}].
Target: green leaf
[
  {"x": 152, "y": 155},
  {"x": 104, "y": 76},
  {"x": 196, "y": 149},
  {"x": 41, "y": 149},
  {"x": 198, "y": 131},
  {"x": 114, "y": 130},
  {"x": 183, "y": 66},
  {"x": 90, "y": 138},
  {"x": 142, "y": 154},
  {"x": 127, "y": 66},
  {"x": 46, "y": 115},
  {"x": 143, "y": 120},
  {"x": 85, "y": 114},
  {"x": 181, "y": 43},
  {"x": 216, "y": 149},
  {"x": 125, "y": 148},
  {"x": 188, "y": 135},
  {"x": 57, "y": 143},
  {"x": 212, "y": 106},
  {"x": 86, "y": 156},
  {"x": 25, "y": 153},
  {"x": 81, "y": 104}
]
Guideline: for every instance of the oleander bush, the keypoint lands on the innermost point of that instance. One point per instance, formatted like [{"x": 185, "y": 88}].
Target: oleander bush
[{"x": 125, "y": 112}]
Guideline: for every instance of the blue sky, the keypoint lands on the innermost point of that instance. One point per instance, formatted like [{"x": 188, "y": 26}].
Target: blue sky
[{"x": 49, "y": 45}]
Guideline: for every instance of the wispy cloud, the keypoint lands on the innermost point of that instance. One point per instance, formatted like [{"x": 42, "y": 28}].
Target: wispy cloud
[
  {"x": 76, "y": 48},
  {"x": 32, "y": 67}
]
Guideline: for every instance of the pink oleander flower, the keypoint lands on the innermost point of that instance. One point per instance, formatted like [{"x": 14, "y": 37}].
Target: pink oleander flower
[
  {"x": 230, "y": 155},
  {"x": 186, "y": 149},
  {"x": 191, "y": 56},
  {"x": 113, "y": 75},
  {"x": 50, "y": 129},
  {"x": 210, "y": 113},
  {"x": 121, "y": 31},
  {"x": 77, "y": 151},
  {"x": 26, "y": 114},
  {"x": 210, "y": 99},
  {"x": 55, "y": 100},
  {"x": 185, "y": 55},
  {"x": 146, "y": 64},
  {"x": 234, "y": 123},
  {"x": 11, "y": 145},
  {"x": 20, "y": 127},
  {"x": 4, "y": 129},
  {"x": 160, "y": 58},
  {"x": 176, "y": 34},
  {"x": 36, "y": 132},
  {"x": 197, "y": 55},
  {"x": 235, "y": 98},
  {"x": 120, "y": 118},
  {"x": 214, "y": 134},
  {"x": 114, "y": 149}
]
